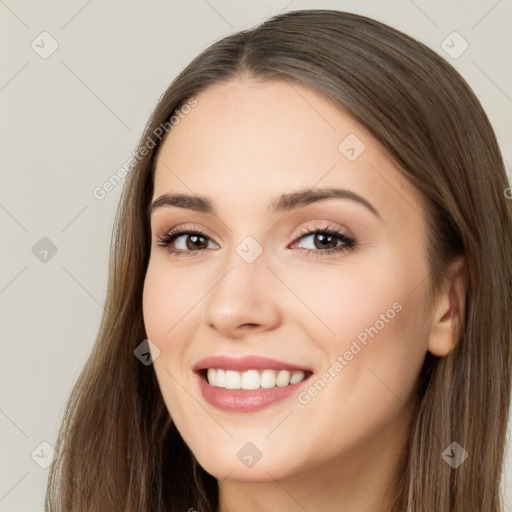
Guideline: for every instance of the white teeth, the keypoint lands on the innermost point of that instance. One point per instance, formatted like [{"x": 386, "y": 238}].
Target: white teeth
[
  {"x": 252, "y": 379},
  {"x": 220, "y": 378},
  {"x": 283, "y": 378},
  {"x": 268, "y": 379},
  {"x": 296, "y": 377},
  {"x": 211, "y": 374},
  {"x": 232, "y": 380}
]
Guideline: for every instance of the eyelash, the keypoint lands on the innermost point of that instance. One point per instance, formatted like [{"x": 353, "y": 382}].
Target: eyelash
[{"x": 167, "y": 239}]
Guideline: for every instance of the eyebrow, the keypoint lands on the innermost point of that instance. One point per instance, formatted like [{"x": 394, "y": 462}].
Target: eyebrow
[{"x": 284, "y": 203}]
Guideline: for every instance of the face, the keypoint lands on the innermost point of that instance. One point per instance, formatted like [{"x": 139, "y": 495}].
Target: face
[{"x": 300, "y": 254}]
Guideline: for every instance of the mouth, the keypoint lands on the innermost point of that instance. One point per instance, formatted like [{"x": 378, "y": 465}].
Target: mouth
[
  {"x": 248, "y": 384},
  {"x": 253, "y": 378}
]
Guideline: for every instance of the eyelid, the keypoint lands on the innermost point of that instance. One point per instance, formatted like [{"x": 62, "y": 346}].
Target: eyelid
[
  {"x": 349, "y": 242},
  {"x": 325, "y": 226},
  {"x": 183, "y": 229},
  {"x": 302, "y": 231}
]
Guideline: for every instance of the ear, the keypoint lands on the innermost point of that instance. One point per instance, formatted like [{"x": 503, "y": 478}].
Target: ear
[{"x": 449, "y": 311}]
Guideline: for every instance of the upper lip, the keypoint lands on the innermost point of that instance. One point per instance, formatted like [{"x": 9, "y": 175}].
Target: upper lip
[{"x": 246, "y": 363}]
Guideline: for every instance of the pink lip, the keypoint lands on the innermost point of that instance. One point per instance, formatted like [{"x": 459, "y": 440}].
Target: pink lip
[
  {"x": 240, "y": 400},
  {"x": 241, "y": 364}
]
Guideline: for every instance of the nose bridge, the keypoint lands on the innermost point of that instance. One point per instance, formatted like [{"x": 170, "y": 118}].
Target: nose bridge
[
  {"x": 243, "y": 294},
  {"x": 245, "y": 264}
]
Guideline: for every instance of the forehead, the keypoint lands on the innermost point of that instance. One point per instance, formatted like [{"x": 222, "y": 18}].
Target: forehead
[{"x": 247, "y": 140}]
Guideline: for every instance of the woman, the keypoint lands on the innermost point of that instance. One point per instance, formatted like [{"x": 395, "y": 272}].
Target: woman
[{"x": 310, "y": 289}]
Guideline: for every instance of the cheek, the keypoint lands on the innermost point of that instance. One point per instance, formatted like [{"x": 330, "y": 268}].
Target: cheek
[
  {"x": 371, "y": 369},
  {"x": 346, "y": 299},
  {"x": 371, "y": 326},
  {"x": 169, "y": 296},
  {"x": 377, "y": 381},
  {"x": 165, "y": 304},
  {"x": 163, "y": 307}
]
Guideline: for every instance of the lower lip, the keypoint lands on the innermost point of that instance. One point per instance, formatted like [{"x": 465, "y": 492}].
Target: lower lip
[{"x": 241, "y": 400}]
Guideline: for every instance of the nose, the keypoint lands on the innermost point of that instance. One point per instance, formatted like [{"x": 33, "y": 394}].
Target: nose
[{"x": 245, "y": 299}]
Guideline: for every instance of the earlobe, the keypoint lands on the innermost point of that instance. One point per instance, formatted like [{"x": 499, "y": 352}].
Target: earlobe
[{"x": 449, "y": 311}]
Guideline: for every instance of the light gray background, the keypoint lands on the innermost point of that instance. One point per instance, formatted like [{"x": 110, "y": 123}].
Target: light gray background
[{"x": 69, "y": 121}]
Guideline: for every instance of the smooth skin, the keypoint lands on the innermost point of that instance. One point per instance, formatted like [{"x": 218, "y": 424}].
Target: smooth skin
[{"x": 245, "y": 144}]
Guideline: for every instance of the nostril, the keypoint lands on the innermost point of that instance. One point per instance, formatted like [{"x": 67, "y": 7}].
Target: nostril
[{"x": 250, "y": 326}]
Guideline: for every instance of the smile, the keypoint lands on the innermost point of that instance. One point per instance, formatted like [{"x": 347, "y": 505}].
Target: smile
[
  {"x": 253, "y": 379},
  {"x": 248, "y": 384}
]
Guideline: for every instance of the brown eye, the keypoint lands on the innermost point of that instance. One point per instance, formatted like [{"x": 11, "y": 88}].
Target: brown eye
[
  {"x": 324, "y": 241},
  {"x": 185, "y": 243},
  {"x": 195, "y": 242}
]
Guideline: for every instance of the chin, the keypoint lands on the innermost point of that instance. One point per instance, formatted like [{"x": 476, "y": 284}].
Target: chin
[{"x": 242, "y": 462}]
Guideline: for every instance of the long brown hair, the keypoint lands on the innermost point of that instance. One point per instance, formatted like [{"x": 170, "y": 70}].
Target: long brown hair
[{"x": 119, "y": 450}]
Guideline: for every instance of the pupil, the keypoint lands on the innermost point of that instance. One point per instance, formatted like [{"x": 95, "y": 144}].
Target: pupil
[
  {"x": 323, "y": 239},
  {"x": 197, "y": 241}
]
